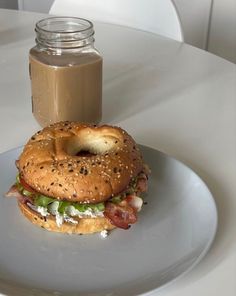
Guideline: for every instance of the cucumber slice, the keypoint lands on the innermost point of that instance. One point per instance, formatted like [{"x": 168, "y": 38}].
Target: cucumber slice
[
  {"x": 62, "y": 206},
  {"x": 43, "y": 201},
  {"x": 20, "y": 187},
  {"x": 116, "y": 199},
  {"x": 99, "y": 207},
  {"x": 80, "y": 207},
  {"x": 18, "y": 179},
  {"x": 26, "y": 192}
]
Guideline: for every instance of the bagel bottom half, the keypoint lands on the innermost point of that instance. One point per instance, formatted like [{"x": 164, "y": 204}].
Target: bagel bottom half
[{"x": 84, "y": 226}]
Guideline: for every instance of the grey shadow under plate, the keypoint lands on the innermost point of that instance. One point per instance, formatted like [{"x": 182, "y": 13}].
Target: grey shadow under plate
[{"x": 174, "y": 231}]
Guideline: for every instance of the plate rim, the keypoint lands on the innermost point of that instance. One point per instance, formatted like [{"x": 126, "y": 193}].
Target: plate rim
[
  {"x": 214, "y": 232},
  {"x": 211, "y": 239}
]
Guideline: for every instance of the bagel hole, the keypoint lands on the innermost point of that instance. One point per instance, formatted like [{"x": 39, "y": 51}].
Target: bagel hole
[
  {"x": 85, "y": 153},
  {"x": 88, "y": 146}
]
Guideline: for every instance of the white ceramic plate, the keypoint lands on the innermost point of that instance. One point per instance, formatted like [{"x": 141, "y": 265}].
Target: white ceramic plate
[{"x": 174, "y": 231}]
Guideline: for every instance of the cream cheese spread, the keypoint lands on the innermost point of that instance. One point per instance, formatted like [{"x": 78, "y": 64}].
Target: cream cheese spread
[{"x": 70, "y": 212}]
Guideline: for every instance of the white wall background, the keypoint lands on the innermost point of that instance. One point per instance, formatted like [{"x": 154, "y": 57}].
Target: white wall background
[{"x": 207, "y": 24}]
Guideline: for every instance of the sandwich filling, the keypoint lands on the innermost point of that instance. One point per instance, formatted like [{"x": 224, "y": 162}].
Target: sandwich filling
[{"x": 121, "y": 210}]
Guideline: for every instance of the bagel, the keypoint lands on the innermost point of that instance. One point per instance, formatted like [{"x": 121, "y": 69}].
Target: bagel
[
  {"x": 84, "y": 226},
  {"x": 51, "y": 162},
  {"x": 89, "y": 175}
]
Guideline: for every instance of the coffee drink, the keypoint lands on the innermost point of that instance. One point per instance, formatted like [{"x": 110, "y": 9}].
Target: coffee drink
[
  {"x": 63, "y": 89},
  {"x": 66, "y": 72}
]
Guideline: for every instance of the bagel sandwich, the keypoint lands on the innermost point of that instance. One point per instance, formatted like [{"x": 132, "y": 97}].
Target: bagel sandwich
[{"x": 79, "y": 178}]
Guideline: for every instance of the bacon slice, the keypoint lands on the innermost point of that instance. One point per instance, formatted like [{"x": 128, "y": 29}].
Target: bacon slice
[
  {"x": 142, "y": 184},
  {"x": 146, "y": 169},
  {"x": 14, "y": 192},
  {"x": 120, "y": 216},
  {"x": 134, "y": 201}
]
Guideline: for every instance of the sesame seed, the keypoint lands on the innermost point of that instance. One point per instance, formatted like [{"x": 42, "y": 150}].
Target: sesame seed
[{"x": 81, "y": 170}]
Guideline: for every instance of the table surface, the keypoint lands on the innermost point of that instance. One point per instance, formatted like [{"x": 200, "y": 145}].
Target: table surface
[{"x": 168, "y": 95}]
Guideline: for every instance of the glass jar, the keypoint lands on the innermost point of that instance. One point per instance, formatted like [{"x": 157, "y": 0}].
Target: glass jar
[{"x": 65, "y": 72}]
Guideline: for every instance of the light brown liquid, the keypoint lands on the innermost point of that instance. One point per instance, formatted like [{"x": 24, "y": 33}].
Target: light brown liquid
[{"x": 63, "y": 89}]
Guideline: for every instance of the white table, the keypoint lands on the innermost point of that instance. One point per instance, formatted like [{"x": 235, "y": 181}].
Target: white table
[{"x": 168, "y": 95}]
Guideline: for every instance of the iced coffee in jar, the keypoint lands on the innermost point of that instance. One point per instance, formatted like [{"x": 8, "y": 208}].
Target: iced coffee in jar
[{"x": 65, "y": 72}]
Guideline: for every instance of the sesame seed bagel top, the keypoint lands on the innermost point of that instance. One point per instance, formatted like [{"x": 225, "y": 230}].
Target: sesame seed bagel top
[{"x": 79, "y": 162}]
